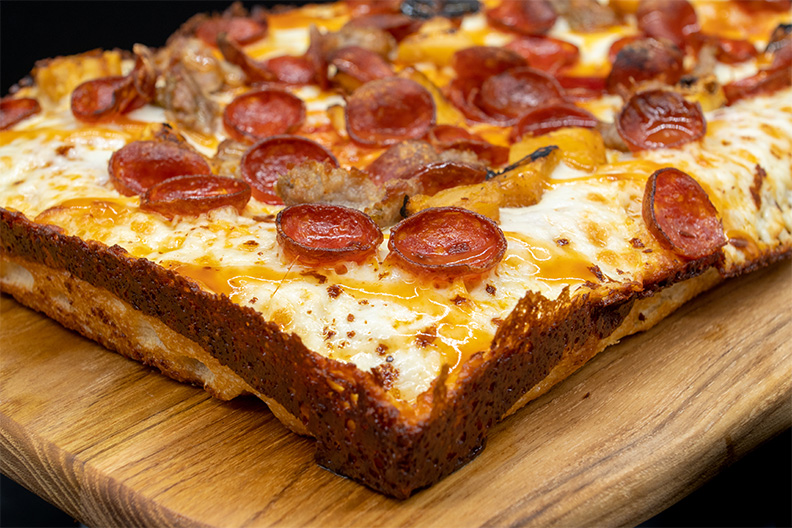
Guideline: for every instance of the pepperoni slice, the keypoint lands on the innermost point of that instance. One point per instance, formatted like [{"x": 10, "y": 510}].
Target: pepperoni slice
[
  {"x": 193, "y": 195},
  {"x": 464, "y": 94},
  {"x": 241, "y": 30},
  {"x": 317, "y": 234},
  {"x": 517, "y": 91},
  {"x": 140, "y": 165},
  {"x": 618, "y": 44},
  {"x": 643, "y": 60},
  {"x": 104, "y": 98},
  {"x": 291, "y": 70},
  {"x": 12, "y": 111},
  {"x": 401, "y": 160},
  {"x": 552, "y": 117},
  {"x": 660, "y": 119},
  {"x": 360, "y": 64},
  {"x": 265, "y": 161},
  {"x": 447, "y": 242},
  {"x": 582, "y": 88},
  {"x": 733, "y": 51},
  {"x": 528, "y": 18},
  {"x": 386, "y": 111},
  {"x": 398, "y": 25},
  {"x": 477, "y": 63},
  {"x": 257, "y": 115},
  {"x": 233, "y": 53},
  {"x": 545, "y": 53},
  {"x": 107, "y": 97},
  {"x": 673, "y": 20},
  {"x": 680, "y": 216},
  {"x": 448, "y": 137},
  {"x": 763, "y": 82},
  {"x": 446, "y": 174}
]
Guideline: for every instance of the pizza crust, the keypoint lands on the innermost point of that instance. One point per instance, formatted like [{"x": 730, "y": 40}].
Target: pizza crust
[{"x": 103, "y": 317}]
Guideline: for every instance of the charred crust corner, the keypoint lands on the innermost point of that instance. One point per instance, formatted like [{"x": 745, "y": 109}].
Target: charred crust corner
[{"x": 360, "y": 430}]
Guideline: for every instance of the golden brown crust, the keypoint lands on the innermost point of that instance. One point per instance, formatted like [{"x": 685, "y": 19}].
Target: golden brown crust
[{"x": 361, "y": 432}]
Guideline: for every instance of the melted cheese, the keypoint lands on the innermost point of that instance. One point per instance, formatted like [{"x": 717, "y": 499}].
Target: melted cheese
[{"x": 586, "y": 232}]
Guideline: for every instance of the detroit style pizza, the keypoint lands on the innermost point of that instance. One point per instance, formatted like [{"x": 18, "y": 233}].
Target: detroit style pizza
[{"x": 397, "y": 222}]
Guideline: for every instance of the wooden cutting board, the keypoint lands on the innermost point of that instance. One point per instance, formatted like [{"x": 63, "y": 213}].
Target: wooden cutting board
[{"x": 646, "y": 422}]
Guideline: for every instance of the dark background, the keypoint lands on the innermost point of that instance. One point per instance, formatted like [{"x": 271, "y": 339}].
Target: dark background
[{"x": 756, "y": 491}]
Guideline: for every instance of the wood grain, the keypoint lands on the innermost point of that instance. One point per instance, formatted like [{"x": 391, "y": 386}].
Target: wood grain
[{"x": 646, "y": 422}]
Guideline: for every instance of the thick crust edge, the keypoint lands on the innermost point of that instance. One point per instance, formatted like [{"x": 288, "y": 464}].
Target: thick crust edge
[{"x": 152, "y": 315}]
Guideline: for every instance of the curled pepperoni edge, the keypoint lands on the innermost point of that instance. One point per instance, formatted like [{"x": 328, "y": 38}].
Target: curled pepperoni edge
[
  {"x": 499, "y": 102},
  {"x": 512, "y": 15},
  {"x": 696, "y": 209},
  {"x": 12, "y": 111},
  {"x": 467, "y": 265},
  {"x": 360, "y": 64},
  {"x": 548, "y": 118},
  {"x": 358, "y": 111},
  {"x": 129, "y": 184},
  {"x": 238, "y": 132},
  {"x": 263, "y": 191},
  {"x": 477, "y": 63},
  {"x": 635, "y": 134},
  {"x": 300, "y": 215},
  {"x": 121, "y": 94},
  {"x": 441, "y": 175},
  {"x": 195, "y": 194},
  {"x": 241, "y": 30},
  {"x": 450, "y": 137}
]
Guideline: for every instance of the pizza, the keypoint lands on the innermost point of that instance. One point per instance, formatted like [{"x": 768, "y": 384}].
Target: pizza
[{"x": 398, "y": 222}]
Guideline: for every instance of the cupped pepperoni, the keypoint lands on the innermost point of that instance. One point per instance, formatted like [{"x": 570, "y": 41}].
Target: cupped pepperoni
[
  {"x": 192, "y": 195},
  {"x": 386, "y": 111},
  {"x": 447, "y": 242},
  {"x": 618, "y": 44},
  {"x": 12, "y": 111},
  {"x": 643, "y": 60},
  {"x": 398, "y": 25},
  {"x": 763, "y": 82},
  {"x": 449, "y": 137},
  {"x": 140, "y": 165},
  {"x": 257, "y": 115},
  {"x": 104, "y": 98},
  {"x": 545, "y": 53},
  {"x": 552, "y": 117},
  {"x": 517, "y": 91},
  {"x": 265, "y": 161},
  {"x": 317, "y": 234},
  {"x": 241, "y": 30},
  {"x": 680, "y": 215},
  {"x": 232, "y": 52},
  {"x": 291, "y": 70},
  {"x": 528, "y": 18},
  {"x": 734, "y": 51},
  {"x": 464, "y": 94},
  {"x": 108, "y": 97},
  {"x": 673, "y": 20},
  {"x": 360, "y": 64},
  {"x": 660, "y": 119},
  {"x": 582, "y": 88},
  {"x": 440, "y": 175},
  {"x": 401, "y": 160},
  {"x": 477, "y": 63}
]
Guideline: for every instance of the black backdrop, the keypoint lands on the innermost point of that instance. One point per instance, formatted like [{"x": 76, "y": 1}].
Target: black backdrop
[{"x": 755, "y": 492}]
